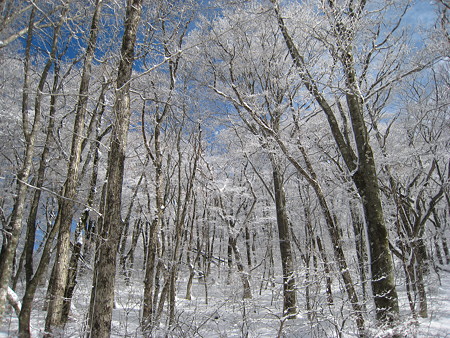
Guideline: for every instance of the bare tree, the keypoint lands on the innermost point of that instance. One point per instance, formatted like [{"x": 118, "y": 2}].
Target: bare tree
[
  {"x": 102, "y": 295},
  {"x": 58, "y": 283},
  {"x": 13, "y": 230},
  {"x": 360, "y": 162}
]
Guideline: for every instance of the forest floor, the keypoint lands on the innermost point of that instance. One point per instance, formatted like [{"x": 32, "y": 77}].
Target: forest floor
[
  {"x": 218, "y": 311},
  {"x": 438, "y": 322}
]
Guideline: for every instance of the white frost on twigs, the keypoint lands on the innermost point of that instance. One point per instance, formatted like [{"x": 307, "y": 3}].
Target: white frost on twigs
[{"x": 13, "y": 299}]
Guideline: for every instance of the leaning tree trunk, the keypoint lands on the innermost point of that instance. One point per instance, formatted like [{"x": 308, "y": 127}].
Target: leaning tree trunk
[
  {"x": 33, "y": 283},
  {"x": 102, "y": 296},
  {"x": 43, "y": 164},
  {"x": 55, "y": 316},
  {"x": 366, "y": 181},
  {"x": 14, "y": 228},
  {"x": 361, "y": 164},
  {"x": 31, "y": 280}
]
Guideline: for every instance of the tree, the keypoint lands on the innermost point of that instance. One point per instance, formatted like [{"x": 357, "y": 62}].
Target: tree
[
  {"x": 258, "y": 79},
  {"x": 244, "y": 139},
  {"x": 13, "y": 229},
  {"x": 360, "y": 162},
  {"x": 58, "y": 283},
  {"x": 102, "y": 295}
]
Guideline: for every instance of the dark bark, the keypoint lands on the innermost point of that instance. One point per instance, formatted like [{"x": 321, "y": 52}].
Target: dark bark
[
  {"x": 366, "y": 181},
  {"x": 71, "y": 280},
  {"x": 326, "y": 270},
  {"x": 189, "y": 261},
  {"x": 55, "y": 316},
  {"x": 284, "y": 234},
  {"x": 360, "y": 243},
  {"x": 32, "y": 285},
  {"x": 13, "y": 229},
  {"x": 363, "y": 168},
  {"x": 102, "y": 296}
]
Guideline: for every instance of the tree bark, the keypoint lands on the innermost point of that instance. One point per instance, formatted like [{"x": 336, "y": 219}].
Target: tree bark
[
  {"x": 31, "y": 286},
  {"x": 54, "y": 317},
  {"x": 13, "y": 230},
  {"x": 102, "y": 296},
  {"x": 364, "y": 175},
  {"x": 284, "y": 234},
  {"x": 151, "y": 269},
  {"x": 247, "y": 294}
]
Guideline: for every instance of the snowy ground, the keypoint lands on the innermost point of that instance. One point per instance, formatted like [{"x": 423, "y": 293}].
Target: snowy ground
[
  {"x": 438, "y": 323},
  {"x": 225, "y": 314}
]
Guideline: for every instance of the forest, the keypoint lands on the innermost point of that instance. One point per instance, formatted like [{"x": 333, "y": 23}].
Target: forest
[{"x": 221, "y": 168}]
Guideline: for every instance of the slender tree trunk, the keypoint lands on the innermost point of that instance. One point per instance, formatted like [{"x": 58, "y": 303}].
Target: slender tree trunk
[
  {"x": 88, "y": 224},
  {"x": 124, "y": 239},
  {"x": 421, "y": 269},
  {"x": 183, "y": 203},
  {"x": 383, "y": 282},
  {"x": 151, "y": 270},
  {"x": 102, "y": 296},
  {"x": 71, "y": 278},
  {"x": 32, "y": 281},
  {"x": 55, "y": 318},
  {"x": 327, "y": 270},
  {"x": 289, "y": 293},
  {"x": 32, "y": 285},
  {"x": 229, "y": 261},
  {"x": 247, "y": 294},
  {"x": 149, "y": 281},
  {"x": 363, "y": 168},
  {"x": 191, "y": 263},
  {"x": 248, "y": 246},
  {"x": 360, "y": 243},
  {"x": 129, "y": 257},
  {"x": 13, "y": 229},
  {"x": 39, "y": 181}
]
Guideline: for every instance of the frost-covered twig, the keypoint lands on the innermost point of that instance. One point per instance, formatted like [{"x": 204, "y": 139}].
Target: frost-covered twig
[{"x": 13, "y": 299}]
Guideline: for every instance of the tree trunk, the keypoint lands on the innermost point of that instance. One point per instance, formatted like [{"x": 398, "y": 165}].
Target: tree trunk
[
  {"x": 102, "y": 296},
  {"x": 149, "y": 281},
  {"x": 151, "y": 286},
  {"x": 383, "y": 282},
  {"x": 54, "y": 317},
  {"x": 31, "y": 286},
  {"x": 124, "y": 239},
  {"x": 248, "y": 247},
  {"x": 229, "y": 261},
  {"x": 14, "y": 228},
  {"x": 363, "y": 166},
  {"x": 421, "y": 269},
  {"x": 191, "y": 263},
  {"x": 360, "y": 243},
  {"x": 326, "y": 270},
  {"x": 247, "y": 294},
  {"x": 88, "y": 224},
  {"x": 71, "y": 279},
  {"x": 31, "y": 222},
  {"x": 289, "y": 293},
  {"x": 129, "y": 258},
  {"x": 183, "y": 203}
]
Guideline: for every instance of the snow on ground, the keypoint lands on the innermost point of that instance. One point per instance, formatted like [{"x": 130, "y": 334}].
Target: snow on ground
[
  {"x": 438, "y": 322},
  {"x": 225, "y": 314}
]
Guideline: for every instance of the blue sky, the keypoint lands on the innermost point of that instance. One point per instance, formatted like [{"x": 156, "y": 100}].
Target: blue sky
[{"x": 422, "y": 13}]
